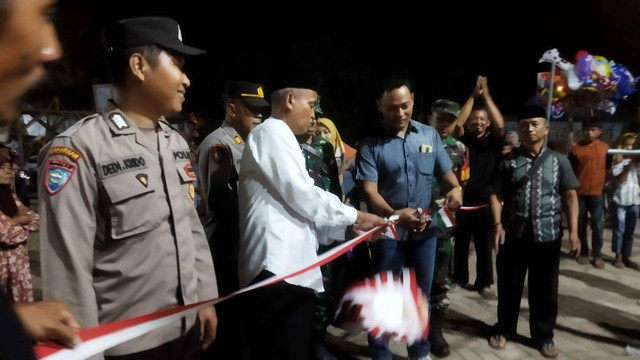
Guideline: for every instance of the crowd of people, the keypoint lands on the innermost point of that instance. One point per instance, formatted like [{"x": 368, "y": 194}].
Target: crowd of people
[{"x": 120, "y": 235}]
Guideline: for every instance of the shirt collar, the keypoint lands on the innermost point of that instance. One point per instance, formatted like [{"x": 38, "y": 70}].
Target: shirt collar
[
  {"x": 231, "y": 131},
  {"x": 522, "y": 151},
  {"x": 390, "y": 132},
  {"x": 412, "y": 126}
]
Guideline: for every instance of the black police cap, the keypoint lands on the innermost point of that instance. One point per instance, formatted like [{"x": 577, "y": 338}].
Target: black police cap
[
  {"x": 142, "y": 31},
  {"x": 251, "y": 93}
]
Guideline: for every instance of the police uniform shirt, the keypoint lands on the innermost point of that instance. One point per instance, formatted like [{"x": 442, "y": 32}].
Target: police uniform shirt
[
  {"x": 120, "y": 234},
  {"x": 219, "y": 176}
]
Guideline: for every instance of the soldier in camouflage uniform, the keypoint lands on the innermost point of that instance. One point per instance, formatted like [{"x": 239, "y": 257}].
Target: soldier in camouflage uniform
[
  {"x": 446, "y": 113},
  {"x": 320, "y": 161},
  {"x": 321, "y": 165}
]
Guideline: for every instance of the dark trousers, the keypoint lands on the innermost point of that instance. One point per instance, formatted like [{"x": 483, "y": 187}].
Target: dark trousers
[
  {"x": 280, "y": 320},
  {"x": 591, "y": 205},
  {"x": 231, "y": 338},
  {"x": 515, "y": 257},
  {"x": 477, "y": 224},
  {"x": 393, "y": 255},
  {"x": 441, "y": 277},
  {"x": 187, "y": 347}
]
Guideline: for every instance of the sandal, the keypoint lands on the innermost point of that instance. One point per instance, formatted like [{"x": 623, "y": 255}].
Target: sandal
[
  {"x": 488, "y": 294},
  {"x": 498, "y": 342},
  {"x": 548, "y": 350}
]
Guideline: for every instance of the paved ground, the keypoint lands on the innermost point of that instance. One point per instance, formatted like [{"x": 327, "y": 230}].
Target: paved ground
[{"x": 599, "y": 316}]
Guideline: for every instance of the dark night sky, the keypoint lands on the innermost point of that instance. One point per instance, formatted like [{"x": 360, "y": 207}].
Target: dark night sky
[{"x": 444, "y": 47}]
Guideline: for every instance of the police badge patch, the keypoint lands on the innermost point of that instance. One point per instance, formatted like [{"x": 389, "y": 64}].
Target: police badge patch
[
  {"x": 118, "y": 121},
  {"x": 144, "y": 180},
  {"x": 192, "y": 191},
  {"x": 190, "y": 171},
  {"x": 57, "y": 175}
]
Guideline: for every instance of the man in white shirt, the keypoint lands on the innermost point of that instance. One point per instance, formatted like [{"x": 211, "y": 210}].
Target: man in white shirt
[{"x": 283, "y": 218}]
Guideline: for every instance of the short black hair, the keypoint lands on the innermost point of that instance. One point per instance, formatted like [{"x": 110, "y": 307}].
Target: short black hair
[
  {"x": 592, "y": 121},
  {"x": 392, "y": 83},
  {"x": 118, "y": 60},
  {"x": 479, "y": 107}
]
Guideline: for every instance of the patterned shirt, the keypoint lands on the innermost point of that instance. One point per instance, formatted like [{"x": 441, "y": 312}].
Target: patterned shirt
[
  {"x": 628, "y": 192},
  {"x": 538, "y": 201},
  {"x": 13, "y": 234},
  {"x": 404, "y": 168}
]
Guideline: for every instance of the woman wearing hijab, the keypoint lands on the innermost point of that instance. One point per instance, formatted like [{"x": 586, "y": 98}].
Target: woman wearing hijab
[
  {"x": 345, "y": 156},
  {"x": 16, "y": 222}
]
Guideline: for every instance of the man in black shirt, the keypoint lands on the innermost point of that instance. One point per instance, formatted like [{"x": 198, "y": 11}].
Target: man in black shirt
[{"x": 485, "y": 128}]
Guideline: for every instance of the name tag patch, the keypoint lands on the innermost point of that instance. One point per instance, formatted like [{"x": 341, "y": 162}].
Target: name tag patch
[
  {"x": 58, "y": 174},
  {"x": 121, "y": 165},
  {"x": 181, "y": 155}
]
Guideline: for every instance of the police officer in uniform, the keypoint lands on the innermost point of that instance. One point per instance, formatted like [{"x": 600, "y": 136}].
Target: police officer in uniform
[
  {"x": 219, "y": 164},
  {"x": 120, "y": 234}
]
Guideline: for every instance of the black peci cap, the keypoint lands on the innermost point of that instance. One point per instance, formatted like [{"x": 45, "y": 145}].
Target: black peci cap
[{"x": 532, "y": 111}]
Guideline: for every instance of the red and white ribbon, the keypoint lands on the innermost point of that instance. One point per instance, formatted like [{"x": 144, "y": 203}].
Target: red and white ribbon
[
  {"x": 472, "y": 208},
  {"x": 447, "y": 217},
  {"x": 100, "y": 338}
]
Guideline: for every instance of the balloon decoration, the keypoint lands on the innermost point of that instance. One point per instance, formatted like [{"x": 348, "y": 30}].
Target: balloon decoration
[{"x": 593, "y": 81}]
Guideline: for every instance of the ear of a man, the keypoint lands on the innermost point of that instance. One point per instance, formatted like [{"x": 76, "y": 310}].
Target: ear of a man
[
  {"x": 138, "y": 66},
  {"x": 230, "y": 109},
  {"x": 290, "y": 100}
]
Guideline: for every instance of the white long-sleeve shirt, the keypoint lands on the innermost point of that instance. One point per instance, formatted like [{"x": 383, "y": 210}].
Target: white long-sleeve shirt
[
  {"x": 283, "y": 216},
  {"x": 628, "y": 192}
]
